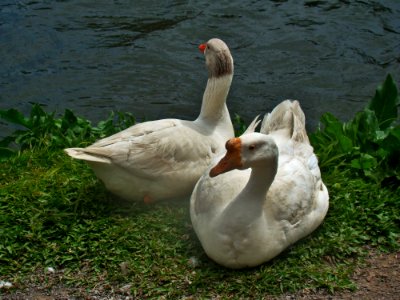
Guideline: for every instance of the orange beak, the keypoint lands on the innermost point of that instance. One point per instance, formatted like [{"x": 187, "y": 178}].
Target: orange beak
[
  {"x": 231, "y": 160},
  {"x": 202, "y": 47}
]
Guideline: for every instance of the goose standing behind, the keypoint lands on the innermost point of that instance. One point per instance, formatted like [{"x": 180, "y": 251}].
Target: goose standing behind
[
  {"x": 163, "y": 159},
  {"x": 248, "y": 216}
]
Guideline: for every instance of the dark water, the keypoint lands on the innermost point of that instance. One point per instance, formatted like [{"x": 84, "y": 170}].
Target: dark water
[{"x": 142, "y": 57}]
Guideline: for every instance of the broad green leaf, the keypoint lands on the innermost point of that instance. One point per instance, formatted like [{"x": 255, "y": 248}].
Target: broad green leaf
[
  {"x": 346, "y": 144},
  {"x": 69, "y": 117},
  {"x": 382, "y": 153},
  {"x": 364, "y": 162},
  {"x": 392, "y": 140},
  {"x": 381, "y": 135},
  {"x": 14, "y": 116},
  {"x": 333, "y": 127},
  {"x": 385, "y": 102},
  {"x": 362, "y": 130}
]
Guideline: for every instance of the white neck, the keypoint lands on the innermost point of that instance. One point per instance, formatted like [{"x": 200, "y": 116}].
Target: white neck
[
  {"x": 248, "y": 205},
  {"x": 259, "y": 182},
  {"x": 213, "y": 108}
]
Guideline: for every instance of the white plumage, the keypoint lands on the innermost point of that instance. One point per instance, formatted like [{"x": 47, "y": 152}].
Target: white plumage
[
  {"x": 267, "y": 195},
  {"x": 163, "y": 159}
]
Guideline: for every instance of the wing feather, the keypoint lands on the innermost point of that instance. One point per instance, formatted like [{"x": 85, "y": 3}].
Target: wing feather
[{"x": 156, "y": 149}]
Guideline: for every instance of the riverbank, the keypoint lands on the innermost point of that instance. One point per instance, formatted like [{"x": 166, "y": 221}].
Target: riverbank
[{"x": 61, "y": 229}]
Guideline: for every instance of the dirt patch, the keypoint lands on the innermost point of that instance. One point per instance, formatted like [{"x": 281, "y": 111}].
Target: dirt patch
[
  {"x": 381, "y": 279},
  {"x": 378, "y": 278}
]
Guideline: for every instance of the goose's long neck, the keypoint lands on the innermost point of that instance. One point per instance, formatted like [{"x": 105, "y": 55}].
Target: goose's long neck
[
  {"x": 259, "y": 183},
  {"x": 248, "y": 205},
  {"x": 213, "y": 108}
]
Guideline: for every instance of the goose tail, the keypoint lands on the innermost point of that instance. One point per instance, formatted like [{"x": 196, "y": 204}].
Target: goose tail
[
  {"x": 286, "y": 117},
  {"x": 87, "y": 154}
]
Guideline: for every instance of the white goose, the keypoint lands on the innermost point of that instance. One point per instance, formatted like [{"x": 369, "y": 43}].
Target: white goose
[
  {"x": 163, "y": 159},
  {"x": 248, "y": 216}
]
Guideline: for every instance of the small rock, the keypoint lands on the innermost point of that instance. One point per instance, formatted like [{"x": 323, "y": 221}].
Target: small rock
[
  {"x": 124, "y": 268},
  {"x": 194, "y": 262},
  {"x": 50, "y": 270},
  {"x": 126, "y": 289},
  {"x": 5, "y": 284}
]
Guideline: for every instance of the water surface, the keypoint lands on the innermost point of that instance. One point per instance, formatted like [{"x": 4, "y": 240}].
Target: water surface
[{"x": 142, "y": 57}]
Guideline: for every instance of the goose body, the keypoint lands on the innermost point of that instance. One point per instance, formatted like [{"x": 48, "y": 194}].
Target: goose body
[
  {"x": 265, "y": 194},
  {"x": 163, "y": 159}
]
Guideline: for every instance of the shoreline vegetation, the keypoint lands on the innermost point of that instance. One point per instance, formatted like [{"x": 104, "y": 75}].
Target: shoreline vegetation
[{"x": 58, "y": 224}]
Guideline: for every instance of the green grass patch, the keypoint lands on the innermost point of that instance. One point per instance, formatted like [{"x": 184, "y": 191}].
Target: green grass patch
[{"x": 55, "y": 213}]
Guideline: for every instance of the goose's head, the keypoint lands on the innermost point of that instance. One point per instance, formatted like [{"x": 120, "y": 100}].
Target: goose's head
[
  {"x": 219, "y": 60},
  {"x": 248, "y": 151}
]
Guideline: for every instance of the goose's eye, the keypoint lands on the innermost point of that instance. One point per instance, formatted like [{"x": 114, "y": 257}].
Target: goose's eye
[{"x": 252, "y": 147}]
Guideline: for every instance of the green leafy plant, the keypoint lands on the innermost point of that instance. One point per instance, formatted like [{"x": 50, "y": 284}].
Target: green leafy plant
[
  {"x": 368, "y": 144},
  {"x": 239, "y": 125},
  {"x": 44, "y": 129}
]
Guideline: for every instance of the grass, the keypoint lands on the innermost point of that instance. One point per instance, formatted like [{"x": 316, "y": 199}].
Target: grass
[{"x": 55, "y": 213}]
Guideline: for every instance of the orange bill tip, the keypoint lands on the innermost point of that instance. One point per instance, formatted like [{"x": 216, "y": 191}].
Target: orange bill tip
[{"x": 231, "y": 160}]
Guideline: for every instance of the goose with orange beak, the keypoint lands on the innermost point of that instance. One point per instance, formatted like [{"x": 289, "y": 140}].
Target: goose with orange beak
[
  {"x": 265, "y": 194},
  {"x": 163, "y": 159}
]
